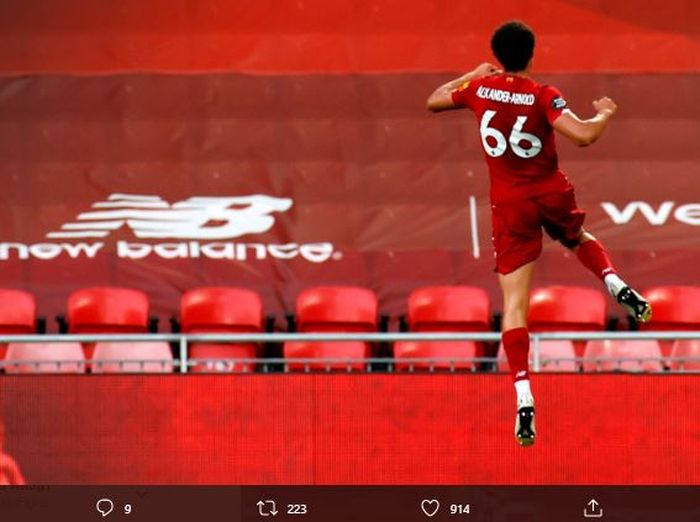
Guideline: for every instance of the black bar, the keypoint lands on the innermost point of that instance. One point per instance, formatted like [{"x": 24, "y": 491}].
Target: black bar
[{"x": 351, "y": 504}]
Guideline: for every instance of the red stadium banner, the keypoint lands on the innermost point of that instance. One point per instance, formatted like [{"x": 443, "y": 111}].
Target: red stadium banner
[
  {"x": 343, "y": 36},
  {"x": 350, "y": 429},
  {"x": 165, "y": 183}
]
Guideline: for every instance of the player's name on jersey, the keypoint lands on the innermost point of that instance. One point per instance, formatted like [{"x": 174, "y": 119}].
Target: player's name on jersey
[{"x": 516, "y": 98}]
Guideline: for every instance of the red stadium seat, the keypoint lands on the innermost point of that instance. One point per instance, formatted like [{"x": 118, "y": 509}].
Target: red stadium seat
[
  {"x": 104, "y": 310},
  {"x": 128, "y": 358},
  {"x": 222, "y": 310},
  {"x": 555, "y": 356},
  {"x": 46, "y": 358},
  {"x": 600, "y": 356},
  {"x": 674, "y": 308},
  {"x": 337, "y": 309},
  {"x": 333, "y": 309},
  {"x": 108, "y": 310},
  {"x": 17, "y": 314},
  {"x": 567, "y": 309},
  {"x": 445, "y": 309},
  {"x": 449, "y": 309},
  {"x": 686, "y": 355}
]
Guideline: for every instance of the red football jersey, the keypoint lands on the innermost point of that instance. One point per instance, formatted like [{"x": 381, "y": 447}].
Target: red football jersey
[{"x": 515, "y": 116}]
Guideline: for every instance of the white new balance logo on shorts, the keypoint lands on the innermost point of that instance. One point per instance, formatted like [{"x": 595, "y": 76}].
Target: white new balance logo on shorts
[{"x": 207, "y": 218}]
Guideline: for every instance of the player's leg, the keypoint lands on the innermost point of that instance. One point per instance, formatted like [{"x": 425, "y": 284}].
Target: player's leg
[
  {"x": 593, "y": 256},
  {"x": 516, "y": 343},
  {"x": 563, "y": 221},
  {"x": 517, "y": 239}
]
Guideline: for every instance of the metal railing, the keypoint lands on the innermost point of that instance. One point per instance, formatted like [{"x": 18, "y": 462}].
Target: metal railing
[{"x": 184, "y": 363}]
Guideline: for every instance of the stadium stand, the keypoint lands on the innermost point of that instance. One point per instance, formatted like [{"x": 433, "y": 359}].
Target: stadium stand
[
  {"x": 445, "y": 309},
  {"x": 222, "y": 310},
  {"x": 333, "y": 309}
]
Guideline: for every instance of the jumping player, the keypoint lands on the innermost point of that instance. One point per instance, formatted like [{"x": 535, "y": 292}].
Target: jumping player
[{"x": 517, "y": 118}]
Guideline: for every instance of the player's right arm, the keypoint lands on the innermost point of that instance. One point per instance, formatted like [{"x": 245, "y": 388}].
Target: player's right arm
[
  {"x": 585, "y": 132},
  {"x": 441, "y": 99}
]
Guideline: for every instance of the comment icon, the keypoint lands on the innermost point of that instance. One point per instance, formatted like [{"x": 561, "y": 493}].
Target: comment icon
[{"x": 104, "y": 506}]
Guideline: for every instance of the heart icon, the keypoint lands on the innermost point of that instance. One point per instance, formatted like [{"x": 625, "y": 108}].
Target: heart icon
[{"x": 430, "y": 507}]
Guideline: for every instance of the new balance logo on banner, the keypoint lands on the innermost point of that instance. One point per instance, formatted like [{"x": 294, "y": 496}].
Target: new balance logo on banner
[
  {"x": 197, "y": 227},
  {"x": 194, "y": 218}
]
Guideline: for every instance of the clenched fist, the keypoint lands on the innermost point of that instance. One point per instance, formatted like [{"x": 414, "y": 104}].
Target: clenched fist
[
  {"x": 485, "y": 69},
  {"x": 605, "y": 104}
]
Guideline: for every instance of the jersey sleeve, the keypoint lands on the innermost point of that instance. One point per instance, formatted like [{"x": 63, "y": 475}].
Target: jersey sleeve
[
  {"x": 553, "y": 102},
  {"x": 463, "y": 95}
]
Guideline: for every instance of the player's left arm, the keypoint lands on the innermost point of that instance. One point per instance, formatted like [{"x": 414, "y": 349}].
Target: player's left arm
[
  {"x": 586, "y": 132},
  {"x": 442, "y": 100}
]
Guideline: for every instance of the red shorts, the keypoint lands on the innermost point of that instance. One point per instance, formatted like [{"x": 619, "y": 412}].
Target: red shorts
[{"x": 517, "y": 227}]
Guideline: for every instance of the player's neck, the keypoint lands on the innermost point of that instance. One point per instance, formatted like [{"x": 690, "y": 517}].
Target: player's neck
[{"x": 522, "y": 74}]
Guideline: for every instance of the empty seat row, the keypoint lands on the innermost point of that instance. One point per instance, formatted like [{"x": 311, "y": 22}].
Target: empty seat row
[
  {"x": 613, "y": 356},
  {"x": 554, "y": 356},
  {"x": 323, "y": 309},
  {"x": 560, "y": 308}
]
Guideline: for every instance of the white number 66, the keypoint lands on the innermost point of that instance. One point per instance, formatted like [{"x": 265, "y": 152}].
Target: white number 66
[{"x": 516, "y": 137}]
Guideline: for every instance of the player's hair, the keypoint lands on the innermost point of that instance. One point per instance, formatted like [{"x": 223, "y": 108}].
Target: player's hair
[{"x": 513, "y": 43}]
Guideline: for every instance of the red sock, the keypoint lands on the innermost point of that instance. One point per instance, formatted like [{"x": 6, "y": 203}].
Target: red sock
[
  {"x": 595, "y": 258},
  {"x": 516, "y": 343}
]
